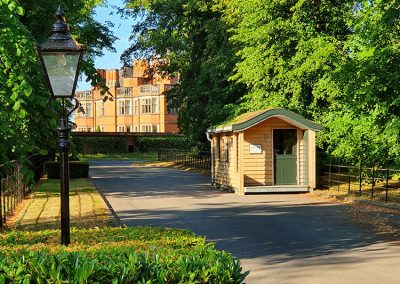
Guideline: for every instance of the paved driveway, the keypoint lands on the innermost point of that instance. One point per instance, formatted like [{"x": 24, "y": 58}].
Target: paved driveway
[{"x": 285, "y": 238}]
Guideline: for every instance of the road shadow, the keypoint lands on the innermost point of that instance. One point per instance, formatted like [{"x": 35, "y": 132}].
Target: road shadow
[{"x": 266, "y": 227}]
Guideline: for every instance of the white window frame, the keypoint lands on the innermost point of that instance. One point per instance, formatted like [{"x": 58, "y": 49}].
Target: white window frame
[
  {"x": 124, "y": 107},
  {"x": 89, "y": 114},
  {"x": 145, "y": 105},
  {"x": 121, "y": 128},
  {"x": 146, "y": 128},
  {"x": 136, "y": 105}
]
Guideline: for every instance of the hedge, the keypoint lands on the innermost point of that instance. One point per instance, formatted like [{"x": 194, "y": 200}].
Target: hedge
[
  {"x": 76, "y": 170},
  {"x": 105, "y": 145},
  {"x": 94, "y": 145},
  {"x": 116, "y": 255}
]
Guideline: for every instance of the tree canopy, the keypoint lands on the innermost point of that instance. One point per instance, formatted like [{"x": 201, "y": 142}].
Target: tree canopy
[
  {"x": 192, "y": 40},
  {"x": 332, "y": 61},
  {"x": 27, "y": 126},
  {"x": 335, "y": 62}
]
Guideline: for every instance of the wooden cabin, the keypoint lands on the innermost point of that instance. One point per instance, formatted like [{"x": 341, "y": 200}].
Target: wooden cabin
[{"x": 270, "y": 150}]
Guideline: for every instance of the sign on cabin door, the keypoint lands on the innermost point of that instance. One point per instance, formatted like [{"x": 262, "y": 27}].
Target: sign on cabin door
[{"x": 285, "y": 156}]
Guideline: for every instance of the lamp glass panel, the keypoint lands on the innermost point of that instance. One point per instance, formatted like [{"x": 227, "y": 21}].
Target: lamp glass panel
[{"x": 61, "y": 70}]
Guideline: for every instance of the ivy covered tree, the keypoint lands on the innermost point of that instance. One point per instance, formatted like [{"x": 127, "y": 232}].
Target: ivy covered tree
[{"x": 193, "y": 41}]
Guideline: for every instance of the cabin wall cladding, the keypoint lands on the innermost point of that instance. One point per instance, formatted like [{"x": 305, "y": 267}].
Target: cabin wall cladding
[
  {"x": 226, "y": 161},
  {"x": 245, "y": 158},
  {"x": 303, "y": 146},
  {"x": 258, "y": 168}
]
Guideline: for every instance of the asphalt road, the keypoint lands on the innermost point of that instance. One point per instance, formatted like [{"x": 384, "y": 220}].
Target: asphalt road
[{"x": 279, "y": 238}]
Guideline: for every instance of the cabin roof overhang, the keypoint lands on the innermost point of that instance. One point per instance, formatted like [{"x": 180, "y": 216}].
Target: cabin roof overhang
[{"x": 251, "y": 119}]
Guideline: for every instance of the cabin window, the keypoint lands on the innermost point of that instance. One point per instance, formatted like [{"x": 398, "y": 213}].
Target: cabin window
[
  {"x": 227, "y": 148},
  {"x": 217, "y": 149}
]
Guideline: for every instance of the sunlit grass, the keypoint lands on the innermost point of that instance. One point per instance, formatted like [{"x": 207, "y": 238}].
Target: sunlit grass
[
  {"x": 379, "y": 192},
  {"x": 141, "y": 156},
  {"x": 42, "y": 210}
]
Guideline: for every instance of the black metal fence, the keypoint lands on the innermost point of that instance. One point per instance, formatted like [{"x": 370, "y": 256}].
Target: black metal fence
[
  {"x": 12, "y": 187},
  {"x": 373, "y": 181},
  {"x": 194, "y": 159}
]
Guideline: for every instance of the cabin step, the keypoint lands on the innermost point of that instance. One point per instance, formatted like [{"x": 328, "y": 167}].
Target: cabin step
[{"x": 276, "y": 188}]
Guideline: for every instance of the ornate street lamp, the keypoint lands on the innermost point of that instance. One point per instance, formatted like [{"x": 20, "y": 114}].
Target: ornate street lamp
[{"x": 61, "y": 57}]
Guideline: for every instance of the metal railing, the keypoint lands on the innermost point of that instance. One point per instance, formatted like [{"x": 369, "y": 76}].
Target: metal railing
[
  {"x": 12, "y": 186},
  {"x": 360, "y": 179},
  {"x": 12, "y": 189},
  {"x": 193, "y": 159}
]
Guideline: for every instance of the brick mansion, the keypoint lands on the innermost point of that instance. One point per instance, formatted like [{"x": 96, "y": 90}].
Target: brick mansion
[{"x": 136, "y": 102}]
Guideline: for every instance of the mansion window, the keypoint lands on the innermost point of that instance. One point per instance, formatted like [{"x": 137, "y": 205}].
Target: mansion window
[
  {"x": 149, "y": 105},
  {"x": 135, "y": 106},
  {"x": 101, "y": 109},
  {"x": 124, "y": 107},
  {"x": 121, "y": 128},
  {"x": 150, "y": 128},
  {"x": 171, "y": 108},
  {"x": 87, "y": 108},
  {"x": 83, "y": 129}
]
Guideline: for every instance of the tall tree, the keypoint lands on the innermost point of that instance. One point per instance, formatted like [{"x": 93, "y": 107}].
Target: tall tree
[
  {"x": 332, "y": 61},
  {"x": 27, "y": 126},
  {"x": 192, "y": 40}
]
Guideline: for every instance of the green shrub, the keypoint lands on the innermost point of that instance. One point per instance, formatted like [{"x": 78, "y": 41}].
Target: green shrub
[
  {"x": 76, "y": 170},
  {"x": 116, "y": 255},
  {"x": 94, "y": 145},
  {"x": 153, "y": 143},
  {"x": 107, "y": 145}
]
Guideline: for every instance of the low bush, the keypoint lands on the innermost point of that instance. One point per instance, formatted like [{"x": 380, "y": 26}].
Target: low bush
[
  {"x": 94, "y": 145},
  {"x": 76, "y": 169},
  {"x": 107, "y": 145},
  {"x": 149, "y": 143},
  {"x": 115, "y": 255}
]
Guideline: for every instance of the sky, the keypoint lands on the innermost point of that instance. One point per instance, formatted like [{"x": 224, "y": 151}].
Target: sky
[{"x": 121, "y": 29}]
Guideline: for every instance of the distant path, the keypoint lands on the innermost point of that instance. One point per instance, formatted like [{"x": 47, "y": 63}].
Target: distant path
[{"x": 279, "y": 238}]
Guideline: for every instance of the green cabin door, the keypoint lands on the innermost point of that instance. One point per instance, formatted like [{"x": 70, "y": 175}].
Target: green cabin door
[{"x": 285, "y": 156}]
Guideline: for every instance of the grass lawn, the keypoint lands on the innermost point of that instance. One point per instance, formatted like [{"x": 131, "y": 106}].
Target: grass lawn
[
  {"x": 141, "y": 156},
  {"x": 366, "y": 190},
  {"x": 42, "y": 209},
  {"x": 30, "y": 250}
]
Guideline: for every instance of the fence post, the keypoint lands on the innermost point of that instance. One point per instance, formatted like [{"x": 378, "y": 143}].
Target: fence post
[
  {"x": 348, "y": 180},
  {"x": 1, "y": 206},
  {"x": 338, "y": 178},
  {"x": 330, "y": 171},
  {"x": 387, "y": 183},
  {"x": 360, "y": 187},
  {"x": 373, "y": 182}
]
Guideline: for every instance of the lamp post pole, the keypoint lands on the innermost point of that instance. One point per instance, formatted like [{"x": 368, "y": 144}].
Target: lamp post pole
[
  {"x": 63, "y": 134},
  {"x": 61, "y": 57}
]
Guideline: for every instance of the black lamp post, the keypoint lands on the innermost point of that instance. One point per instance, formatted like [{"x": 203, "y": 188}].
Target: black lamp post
[{"x": 61, "y": 57}]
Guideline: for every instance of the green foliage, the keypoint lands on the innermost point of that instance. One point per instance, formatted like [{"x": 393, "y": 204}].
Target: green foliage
[
  {"x": 25, "y": 119},
  {"x": 192, "y": 40},
  {"x": 76, "y": 169},
  {"x": 94, "y": 145},
  {"x": 116, "y": 255},
  {"x": 27, "y": 126},
  {"x": 154, "y": 143},
  {"x": 332, "y": 61}
]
